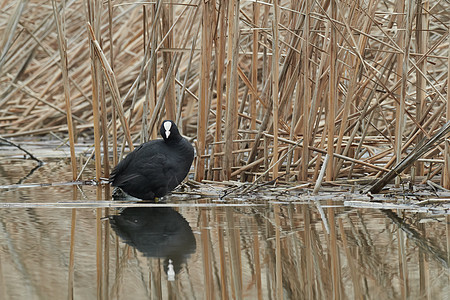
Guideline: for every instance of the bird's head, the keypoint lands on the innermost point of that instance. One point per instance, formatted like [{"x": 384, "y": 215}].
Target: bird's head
[{"x": 169, "y": 131}]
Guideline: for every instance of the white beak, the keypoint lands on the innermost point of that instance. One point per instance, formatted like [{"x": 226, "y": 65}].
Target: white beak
[{"x": 167, "y": 126}]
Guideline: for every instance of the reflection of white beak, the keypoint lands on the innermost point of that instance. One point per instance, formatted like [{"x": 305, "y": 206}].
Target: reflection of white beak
[{"x": 170, "y": 271}]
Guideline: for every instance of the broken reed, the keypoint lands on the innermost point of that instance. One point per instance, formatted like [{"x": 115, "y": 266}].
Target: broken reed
[{"x": 264, "y": 89}]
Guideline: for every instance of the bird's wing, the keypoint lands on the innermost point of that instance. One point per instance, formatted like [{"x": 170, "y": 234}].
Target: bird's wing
[
  {"x": 137, "y": 175},
  {"x": 123, "y": 165}
]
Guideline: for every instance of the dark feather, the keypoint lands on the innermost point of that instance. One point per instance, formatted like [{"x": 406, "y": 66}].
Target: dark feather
[{"x": 154, "y": 168}]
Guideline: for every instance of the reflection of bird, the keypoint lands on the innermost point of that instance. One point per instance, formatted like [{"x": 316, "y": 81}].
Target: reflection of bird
[
  {"x": 156, "y": 232},
  {"x": 156, "y": 167}
]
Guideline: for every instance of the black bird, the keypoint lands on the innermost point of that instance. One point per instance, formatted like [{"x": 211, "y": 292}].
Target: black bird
[{"x": 156, "y": 167}]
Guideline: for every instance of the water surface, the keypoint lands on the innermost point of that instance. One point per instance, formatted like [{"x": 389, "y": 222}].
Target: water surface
[{"x": 202, "y": 248}]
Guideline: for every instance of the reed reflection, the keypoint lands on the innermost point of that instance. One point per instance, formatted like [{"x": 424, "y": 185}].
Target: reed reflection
[{"x": 158, "y": 232}]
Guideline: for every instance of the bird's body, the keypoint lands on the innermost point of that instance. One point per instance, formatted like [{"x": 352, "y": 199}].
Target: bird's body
[{"x": 156, "y": 167}]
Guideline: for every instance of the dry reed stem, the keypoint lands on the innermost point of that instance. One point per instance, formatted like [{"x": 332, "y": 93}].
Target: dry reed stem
[
  {"x": 167, "y": 20},
  {"x": 331, "y": 103},
  {"x": 205, "y": 66},
  {"x": 254, "y": 73},
  {"x": 221, "y": 40},
  {"x": 10, "y": 30},
  {"x": 112, "y": 83},
  {"x": 303, "y": 172},
  {"x": 446, "y": 173},
  {"x": 421, "y": 43},
  {"x": 275, "y": 88},
  {"x": 96, "y": 82},
  {"x": 60, "y": 25},
  {"x": 148, "y": 82},
  {"x": 231, "y": 86}
]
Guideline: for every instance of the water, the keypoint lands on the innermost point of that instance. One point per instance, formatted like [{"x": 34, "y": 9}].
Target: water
[{"x": 201, "y": 248}]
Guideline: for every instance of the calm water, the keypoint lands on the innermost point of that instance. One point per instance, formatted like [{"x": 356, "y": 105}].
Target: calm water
[{"x": 205, "y": 249}]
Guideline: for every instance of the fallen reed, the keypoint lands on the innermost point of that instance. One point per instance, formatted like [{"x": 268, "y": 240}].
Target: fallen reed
[{"x": 363, "y": 83}]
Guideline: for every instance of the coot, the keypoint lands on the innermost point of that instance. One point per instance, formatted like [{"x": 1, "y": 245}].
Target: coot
[{"x": 156, "y": 167}]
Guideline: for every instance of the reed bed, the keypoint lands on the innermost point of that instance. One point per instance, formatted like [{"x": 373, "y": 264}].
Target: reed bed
[{"x": 265, "y": 90}]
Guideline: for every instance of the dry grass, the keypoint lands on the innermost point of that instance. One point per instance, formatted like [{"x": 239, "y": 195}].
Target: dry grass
[{"x": 363, "y": 82}]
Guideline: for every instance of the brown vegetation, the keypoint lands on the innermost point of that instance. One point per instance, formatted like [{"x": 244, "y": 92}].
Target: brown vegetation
[{"x": 265, "y": 90}]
